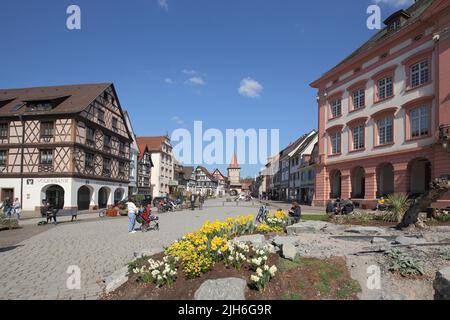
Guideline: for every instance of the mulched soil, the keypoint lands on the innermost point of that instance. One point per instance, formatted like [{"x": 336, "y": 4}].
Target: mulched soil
[
  {"x": 308, "y": 279},
  {"x": 370, "y": 223}
]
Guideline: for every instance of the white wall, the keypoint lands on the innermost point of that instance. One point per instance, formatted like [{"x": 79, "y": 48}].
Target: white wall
[{"x": 33, "y": 190}]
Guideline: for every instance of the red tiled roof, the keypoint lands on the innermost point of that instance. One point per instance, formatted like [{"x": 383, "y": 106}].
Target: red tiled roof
[
  {"x": 218, "y": 173},
  {"x": 414, "y": 11},
  {"x": 76, "y": 98},
  {"x": 234, "y": 163},
  {"x": 152, "y": 143},
  {"x": 142, "y": 148}
]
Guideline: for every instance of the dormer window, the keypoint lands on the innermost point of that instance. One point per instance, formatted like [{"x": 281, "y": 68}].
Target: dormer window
[
  {"x": 394, "y": 26},
  {"x": 39, "y": 106},
  {"x": 44, "y": 105},
  {"x": 396, "y": 21}
]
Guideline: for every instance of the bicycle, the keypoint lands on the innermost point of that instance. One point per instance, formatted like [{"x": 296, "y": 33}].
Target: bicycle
[{"x": 262, "y": 214}]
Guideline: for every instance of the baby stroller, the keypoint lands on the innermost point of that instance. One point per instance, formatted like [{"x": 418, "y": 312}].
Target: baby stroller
[{"x": 147, "y": 221}]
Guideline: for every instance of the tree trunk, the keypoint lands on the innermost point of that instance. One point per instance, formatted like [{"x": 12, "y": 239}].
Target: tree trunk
[{"x": 438, "y": 188}]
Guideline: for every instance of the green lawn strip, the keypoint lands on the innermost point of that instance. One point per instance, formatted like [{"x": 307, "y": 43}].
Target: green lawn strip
[
  {"x": 330, "y": 281},
  {"x": 314, "y": 217}
]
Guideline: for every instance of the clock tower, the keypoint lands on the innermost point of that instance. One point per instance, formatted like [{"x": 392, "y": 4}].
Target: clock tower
[{"x": 234, "y": 177}]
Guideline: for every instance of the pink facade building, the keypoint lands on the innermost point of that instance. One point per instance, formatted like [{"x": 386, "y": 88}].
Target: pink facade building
[{"x": 384, "y": 111}]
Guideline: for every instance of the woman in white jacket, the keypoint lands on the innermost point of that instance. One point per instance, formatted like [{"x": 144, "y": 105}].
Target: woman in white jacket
[
  {"x": 17, "y": 208},
  {"x": 132, "y": 210}
]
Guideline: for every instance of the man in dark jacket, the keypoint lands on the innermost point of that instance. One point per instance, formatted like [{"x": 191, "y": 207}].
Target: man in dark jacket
[
  {"x": 296, "y": 212},
  {"x": 330, "y": 207}
]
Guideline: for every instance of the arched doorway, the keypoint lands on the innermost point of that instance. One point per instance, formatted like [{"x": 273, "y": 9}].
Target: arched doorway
[
  {"x": 358, "y": 183},
  {"x": 420, "y": 176},
  {"x": 385, "y": 180},
  {"x": 55, "y": 196},
  {"x": 335, "y": 183},
  {"x": 118, "y": 195},
  {"x": 103, "y": 196},
  {"x": 84, "y": 198}
]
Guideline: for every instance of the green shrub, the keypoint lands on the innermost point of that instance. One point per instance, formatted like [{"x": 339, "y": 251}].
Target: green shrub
[
  {"x": 8, "y": 224},
  {"x": 398, "y": 204},
  {"x": 137, "y": 263},
  {"x": 403, "y": 264},
  {"x": 446, "y": 256}
]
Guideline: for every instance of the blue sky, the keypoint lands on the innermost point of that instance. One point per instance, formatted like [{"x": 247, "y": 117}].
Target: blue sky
[{"x": 229, "y": 63}]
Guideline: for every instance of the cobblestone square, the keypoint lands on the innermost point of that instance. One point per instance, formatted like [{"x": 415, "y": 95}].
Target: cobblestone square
[{"x": 36, "y": 267}]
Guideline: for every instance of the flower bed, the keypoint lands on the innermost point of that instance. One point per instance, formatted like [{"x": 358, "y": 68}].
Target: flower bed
[
  {"x": 198, "y": 252},
  {"x": 274, "y": 223},
  {"x": 213, "y": 253},
  {"x": 303, "y": 279}
]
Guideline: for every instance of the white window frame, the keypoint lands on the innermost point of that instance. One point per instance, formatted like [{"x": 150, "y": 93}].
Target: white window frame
[
  {"x": 420, "y": 73},
  {"x": 336, "y": 142},
  {"x": 46, "y": 157},
  {"x": 359, "y": 99},
  {"x": 385, "y": 129},
  {"x": 383, "y": 85},
  {"x": 420, "y": 122},
  {"x": 359, "y": 137},
  {"x": 3, "y": 157},
  {"x": 336, "y": 108}
]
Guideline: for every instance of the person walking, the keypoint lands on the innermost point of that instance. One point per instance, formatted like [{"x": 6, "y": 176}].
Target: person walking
[
  {"x": 192, "y": 199},
  {"x": 201, "y": 201},
  {"x": 132, "y": 210},
  {"x": 17, "y": 208},
  {"x": 7, "y": 208}
]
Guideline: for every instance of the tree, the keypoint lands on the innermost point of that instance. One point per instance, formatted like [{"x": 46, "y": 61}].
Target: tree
[{"x": 438, "y": 188}]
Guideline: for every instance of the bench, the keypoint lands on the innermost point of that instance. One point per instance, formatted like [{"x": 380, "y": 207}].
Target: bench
[{"x": 49, "y": 215}]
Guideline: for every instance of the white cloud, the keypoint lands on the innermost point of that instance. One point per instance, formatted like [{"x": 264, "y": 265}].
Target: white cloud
[
  {"x": 169, "y": 81},
  {"x": 164, "y": 4},
  {"x": 250, "y": 88},
  {"x": 178, "y": 120},
  {"x": 189, "y": 72},
  {"x": 395, "y": 3},
  {"x": 197, "y": 81}
]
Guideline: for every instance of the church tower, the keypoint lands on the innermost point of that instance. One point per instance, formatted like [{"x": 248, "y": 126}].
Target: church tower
[{"x": 234, "y": 176}]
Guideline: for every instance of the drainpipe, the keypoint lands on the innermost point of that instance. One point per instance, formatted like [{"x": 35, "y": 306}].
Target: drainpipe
[{"x": 21, "y": 160}]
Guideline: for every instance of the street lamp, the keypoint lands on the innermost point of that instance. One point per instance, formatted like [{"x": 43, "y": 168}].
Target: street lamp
[{"x": 444, "y": 137}]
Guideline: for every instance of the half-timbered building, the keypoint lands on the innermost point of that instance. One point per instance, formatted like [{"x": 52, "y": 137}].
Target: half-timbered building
[
  {"x": 144, "y": 175},
  {"x": 222, "y": 183},
  {"x": 69, "y": 145},
  {"x": 205, "y": 182}
]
